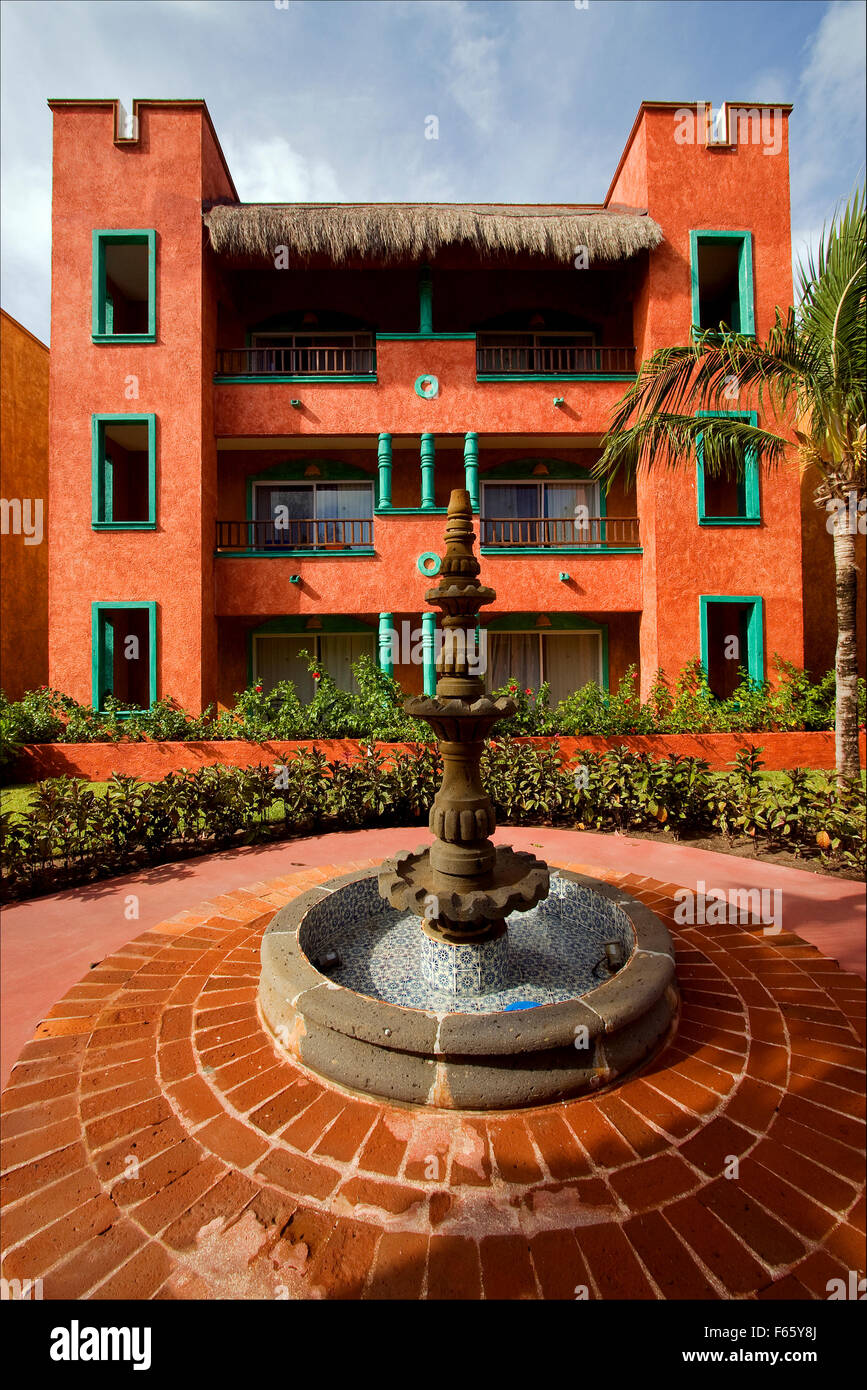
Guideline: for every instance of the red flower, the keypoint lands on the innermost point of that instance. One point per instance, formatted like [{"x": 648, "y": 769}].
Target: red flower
[
  {"x": 258, "y": 690},
  {"x": 528, "y": 691},
  {"x": 513, "y": 687},
  {"x": 316, "y": 676}
]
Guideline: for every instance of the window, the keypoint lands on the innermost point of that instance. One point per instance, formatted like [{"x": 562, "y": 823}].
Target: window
[
  {"x": 566, "y": 660},
  {"x": 554, "y": 514},
  {"x": 316, "y": 353},
  {"x": 124, "y": 472},
  {"x": 315, "y": 515},
  {"x": 542, "y": 353},
  {"x": 276, "y": 657},
  {"x": 731, "y": 498},
  {"x": 124, "y": 654},
  {"x": 731, "y": 637},
  {"x": 722, "y": 280},
  {"x": 124, "y": 287}
]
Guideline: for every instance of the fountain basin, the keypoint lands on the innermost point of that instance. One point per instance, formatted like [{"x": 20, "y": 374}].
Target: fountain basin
[{"x": 384, "y": 1022}]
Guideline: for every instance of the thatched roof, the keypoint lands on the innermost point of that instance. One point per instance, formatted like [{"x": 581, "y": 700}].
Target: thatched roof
[{"x": 413, "y": 231}]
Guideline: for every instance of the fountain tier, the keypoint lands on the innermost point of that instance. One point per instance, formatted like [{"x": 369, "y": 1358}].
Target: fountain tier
[
  {"x": 461, "y": 979},
  {"x": 376, "y": 1022}
]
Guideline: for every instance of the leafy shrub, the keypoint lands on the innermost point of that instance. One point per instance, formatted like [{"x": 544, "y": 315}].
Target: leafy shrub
[
  {"x": 374, "y": 710},
  {"x": 70, "y": 834}
]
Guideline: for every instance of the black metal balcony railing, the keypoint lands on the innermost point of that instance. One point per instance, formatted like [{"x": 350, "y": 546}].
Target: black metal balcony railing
[
  {"x": 504, "y": 354},
  {"x": 595, "y": 531},
  {"x": 352, "y": 357},
  {"x": 296, "y": 534}
]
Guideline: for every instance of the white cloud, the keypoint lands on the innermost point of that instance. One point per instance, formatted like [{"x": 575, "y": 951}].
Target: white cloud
[
  {"x": 469, "y": 60},
  {"x": 827, "y": 123},
  {"x": 271, "y": 171},
  {"x": 833, "y": 80}
]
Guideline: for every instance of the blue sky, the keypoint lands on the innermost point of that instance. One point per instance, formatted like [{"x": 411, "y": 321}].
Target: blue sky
[{"x": 327, "y": 99}]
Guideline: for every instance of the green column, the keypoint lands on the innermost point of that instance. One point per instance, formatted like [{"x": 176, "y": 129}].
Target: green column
[
  {"x": 471, "y": 467},
  {"x": 383, "y": 459},
  {"x": 386, "y": 663},
  {"x": 425, "y": 301},
  {"x": 427, "y": 472},
  {"x": 428, "y": 652}
]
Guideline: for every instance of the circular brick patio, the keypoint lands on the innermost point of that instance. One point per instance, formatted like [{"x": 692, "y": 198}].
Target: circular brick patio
[{"x": 157, "y": 1146}]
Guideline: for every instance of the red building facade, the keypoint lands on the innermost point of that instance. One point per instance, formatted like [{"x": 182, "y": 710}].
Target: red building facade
[{"x": 258, "y": 414}]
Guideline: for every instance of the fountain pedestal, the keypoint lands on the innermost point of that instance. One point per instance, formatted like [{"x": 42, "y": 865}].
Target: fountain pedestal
[
  {"x": 463, "y": 887},
  {"x": 416, "y": 1005},
  {"x": 468, "y": 968}
]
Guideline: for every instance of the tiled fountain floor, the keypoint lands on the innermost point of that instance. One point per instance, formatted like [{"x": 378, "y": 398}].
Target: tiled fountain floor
[{"x": 157, "y": 1146}]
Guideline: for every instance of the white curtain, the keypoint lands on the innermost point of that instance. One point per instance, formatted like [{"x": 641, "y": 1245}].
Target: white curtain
[
  {"x": 566, "y": 524},
  {"x": 571, "y": 660},
  {"x": 339, "y": 650},
  {"x": 513, "y": 654},
  {"x": 275, "y": 658}
]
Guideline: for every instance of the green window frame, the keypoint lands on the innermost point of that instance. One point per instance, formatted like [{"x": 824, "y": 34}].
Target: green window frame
[
  {"x": 755, "y": 662},
  {"x": 750, "y": 513},
  {"x": 746, "y": 306},
  {"x": 102, "y": 309},
  {"x": 102, "y": 648},
  {"x": 102, "y": 518}
]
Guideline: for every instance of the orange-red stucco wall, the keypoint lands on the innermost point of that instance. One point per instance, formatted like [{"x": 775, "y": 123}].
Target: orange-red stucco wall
[
  {"x": 208, "y": 433},
  {"x": 157, "y": 182},
  {"x": 692, "y": 187},
  {"x": 23, "y": 476}
]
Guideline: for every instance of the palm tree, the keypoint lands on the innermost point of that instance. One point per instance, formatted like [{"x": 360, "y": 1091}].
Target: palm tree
[{"x": 808, "y": 372}]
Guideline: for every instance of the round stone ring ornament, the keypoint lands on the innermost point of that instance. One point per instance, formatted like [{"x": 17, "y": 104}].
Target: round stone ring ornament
[
  {"x": 429, "y": 564},
  {"x": 427, "y": 387}
]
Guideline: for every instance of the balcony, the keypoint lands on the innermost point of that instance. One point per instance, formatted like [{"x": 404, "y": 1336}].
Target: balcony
[
  {"x": 521, "y": 355},
  {"x": 297, "y": 355},
  {"x": 547, "y": 533},
  {"x": 294, "y": 535}
]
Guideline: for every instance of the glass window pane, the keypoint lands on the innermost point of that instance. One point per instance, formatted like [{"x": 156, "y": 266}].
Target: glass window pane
[
  {"x": 338, "y": 500},
  {"x": 298, "y": 501},
  {"x": 510, "y": 500}
]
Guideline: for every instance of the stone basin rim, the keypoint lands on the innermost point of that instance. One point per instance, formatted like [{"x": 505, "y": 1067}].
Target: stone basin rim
[{"x": 604, "y": 1010}]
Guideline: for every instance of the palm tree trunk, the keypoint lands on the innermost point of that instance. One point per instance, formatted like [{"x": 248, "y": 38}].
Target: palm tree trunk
[{"x": 846, "y": 722}]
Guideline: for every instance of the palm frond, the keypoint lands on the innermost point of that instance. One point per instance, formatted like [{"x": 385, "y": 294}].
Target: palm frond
[
  {"x": 809, "y": 371},
  {"x": 669, "y": 440}
]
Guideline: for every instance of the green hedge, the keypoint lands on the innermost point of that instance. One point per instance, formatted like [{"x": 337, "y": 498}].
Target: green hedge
[
  {"x": 375, "y": 711},
  {"x": 70, "y": 835}
]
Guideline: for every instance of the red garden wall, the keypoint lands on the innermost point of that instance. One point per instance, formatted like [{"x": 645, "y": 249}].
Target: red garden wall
[{"x": 151, "y": 761}]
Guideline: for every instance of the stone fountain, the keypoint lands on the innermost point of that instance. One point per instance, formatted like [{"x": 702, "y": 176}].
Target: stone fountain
[
  {"x": 462, "y": 887},
  {"x": 467, "y": 975}
]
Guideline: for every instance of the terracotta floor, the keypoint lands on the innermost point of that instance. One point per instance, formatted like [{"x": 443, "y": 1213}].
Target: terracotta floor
[
  {"x": 48, "y": 943},
  {"x": 157, "y": 1146}
]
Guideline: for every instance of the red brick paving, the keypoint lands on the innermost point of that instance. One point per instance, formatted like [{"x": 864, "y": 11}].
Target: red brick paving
[{"x": 251, "y": 1177}]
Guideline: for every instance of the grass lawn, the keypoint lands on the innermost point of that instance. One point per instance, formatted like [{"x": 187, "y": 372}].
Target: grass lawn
[{"x": 18, "y": 798}]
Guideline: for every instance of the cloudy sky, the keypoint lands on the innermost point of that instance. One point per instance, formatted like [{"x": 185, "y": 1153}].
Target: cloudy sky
[{"x": 328, "y": 99}]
